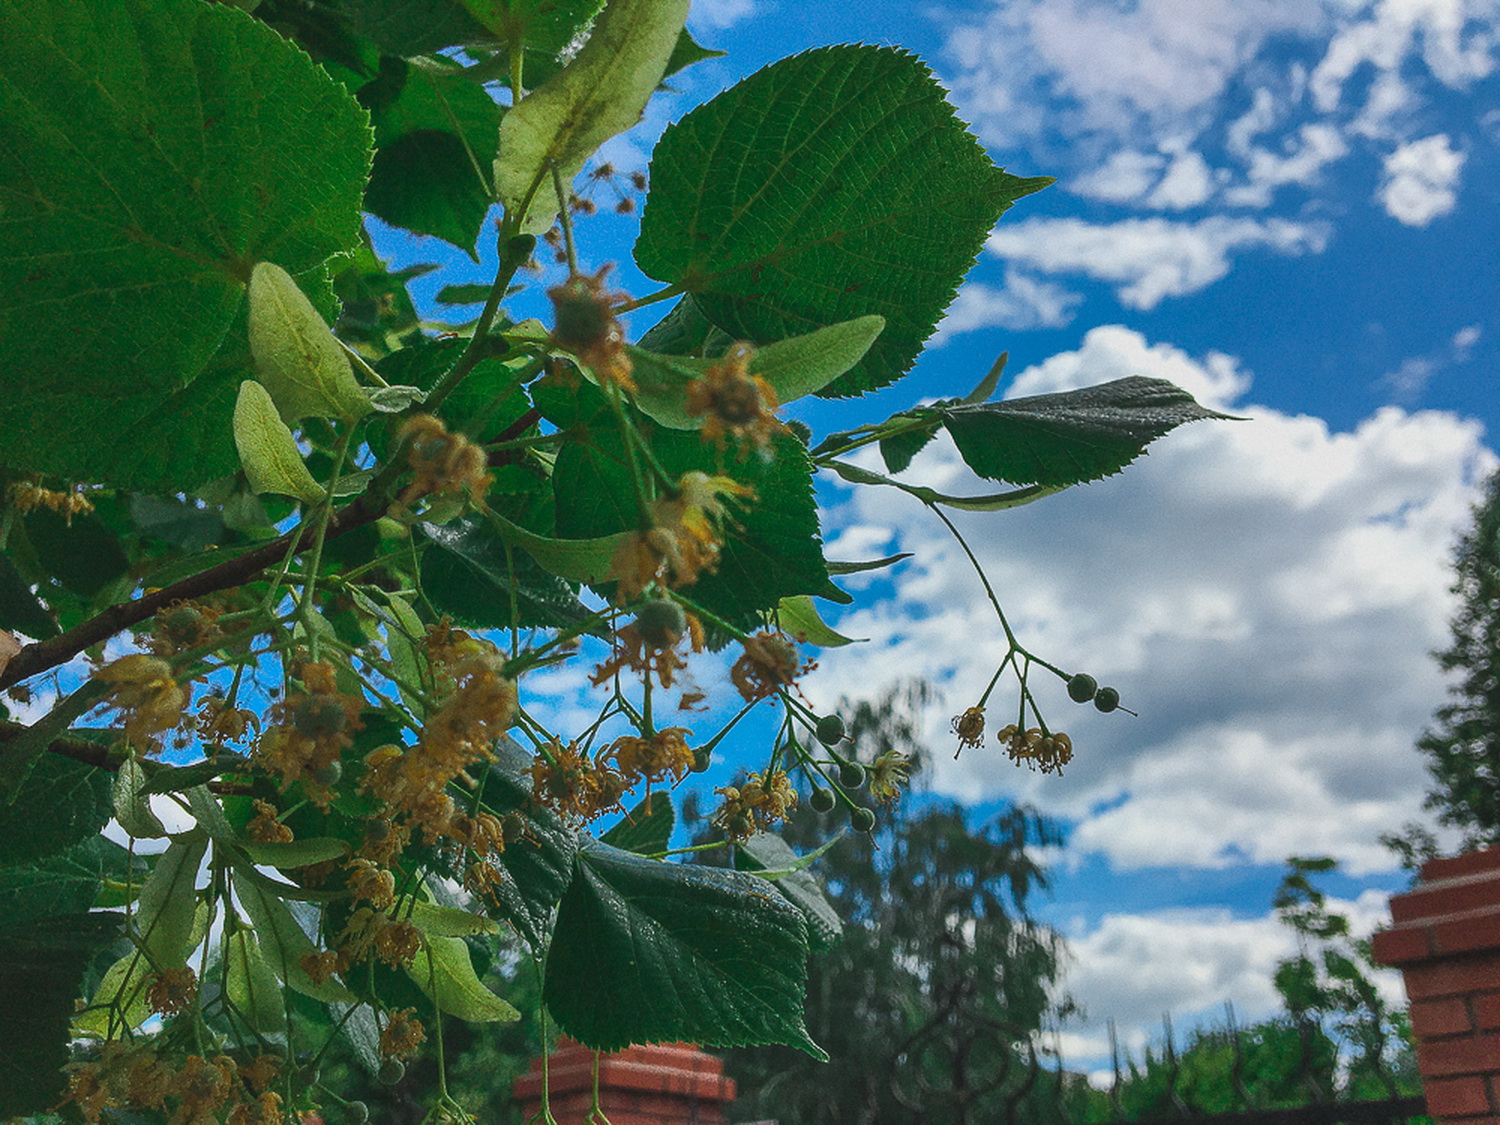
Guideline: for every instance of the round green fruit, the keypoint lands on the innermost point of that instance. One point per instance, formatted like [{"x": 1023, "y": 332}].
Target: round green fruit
[
  {"x": 1082, "y": 687},
  {"x": 822, "y": 800},
  {"x": 391, "y": 1071},
  {"x": 830, "y": 730},
  {"x": 862, "y": 820},
  {"x": 359, "y": 1113},
  {"x": 1107, "y": 699},
  {"x": 851, "y": 775},
  {"x": 661, "y": 622}
]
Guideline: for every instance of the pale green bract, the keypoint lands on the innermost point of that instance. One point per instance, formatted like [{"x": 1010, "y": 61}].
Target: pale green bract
[{"x": 268, "y": 452}]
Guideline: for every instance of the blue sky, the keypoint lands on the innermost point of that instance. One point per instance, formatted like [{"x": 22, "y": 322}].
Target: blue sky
[{"x": 1288, "y": 207}]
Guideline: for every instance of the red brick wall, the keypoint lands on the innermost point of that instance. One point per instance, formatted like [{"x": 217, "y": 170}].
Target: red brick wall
[
  {"x": 1445, "y": 939},
  {"x": 674, "y": 1084}
]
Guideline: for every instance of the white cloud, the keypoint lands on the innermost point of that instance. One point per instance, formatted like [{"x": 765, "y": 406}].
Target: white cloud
[
  {"x": 1189, "y": 182},
  {"x": 1302, "y": 161},
  {"x": 1023, "y": 302},
  {"x": 1130, "y": 968},
  {"x": 1407, "y": 383},
  {"x": 720, "y": 14},
  {"x": 1149, "y": 259},
  {"x": 1265, "y": 593},
  {"x": 1421, "y": 180},
  {"x": 1124, "y": 178}
]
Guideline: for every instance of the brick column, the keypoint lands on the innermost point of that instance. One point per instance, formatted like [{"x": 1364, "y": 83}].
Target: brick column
[
  {"x": 1445, "y": 939},
  {"x": 674, "y": 1084}
]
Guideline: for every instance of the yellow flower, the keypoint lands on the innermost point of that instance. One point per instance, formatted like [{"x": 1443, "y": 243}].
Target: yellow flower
[
  {"x": 684, "y": 538},
  {"x": 969, "y": 727},
  {"x": 769, "y": 663},
  {"x": 736, "y": 403},
  {"x": 147, "y": 693}
]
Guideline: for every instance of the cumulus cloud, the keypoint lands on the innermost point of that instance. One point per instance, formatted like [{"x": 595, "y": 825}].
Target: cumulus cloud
[
  {"x": 1149, "y": 259},
  {"x": 1023, "y": 302},
  {"x": 1421, "y": 180},
  {"x": 1407, "y": 383},
  {"x": 1105, "y": 92},
  {"x": 720, "y": 14},
  {"x": 1265, "y": 593},
  {"x": 1130, "y": 968}
]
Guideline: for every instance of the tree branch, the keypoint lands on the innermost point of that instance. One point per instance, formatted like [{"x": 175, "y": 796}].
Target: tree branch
[{"x": 44, "y": 655}]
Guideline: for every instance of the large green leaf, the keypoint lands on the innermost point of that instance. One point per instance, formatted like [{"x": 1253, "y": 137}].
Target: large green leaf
[
  {"x": 829, "y": 185},
  {"x": 771, "y": 547},
  {"x": 443, "y": 970},
  {"x": 544, "y": 26},
  {"x": 469, "y": 573},
  {"x": 647, "y": 952},
  {"x": 61, "y": 803},
  {"x": 645, "y": 829},
  {"x": 41, "y": 969},
  {"x": 536, "y": 866},
  {"x": 435, "y": 135},
  {"x": 767, "y": 852},
  {"x": 1061, "y": 439},
  {"x": 82, "y": 553},
  {"x": 150, "y": 151},
  {"x": 20, "y": 609},
  {"x": 65, "y": 883}
]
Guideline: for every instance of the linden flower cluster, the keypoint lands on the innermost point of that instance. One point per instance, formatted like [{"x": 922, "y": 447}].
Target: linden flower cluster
[
  {"x": 970, "y": 728},
  {"x": 762, "y": 800},
  {"x": 402, "y": 1034},
  {"x": 310, "y": 731},
  {"x": 25, "y": 497},
  {"x": 442, "y": 464},
  {"x": 735, "y": 403},
  {"x": 650, "y": 644},
  {"x": 586, "y": 326},
  {"x": 769, "y": 664},
  {"x": 478, "y": 702},
  {"x": 566, "y": 781},
  {"x": 684, "y": 539},
  {"x": 148, "y": 695},
  {"x": 197, "y": 1091},
  {"x": 1046, "y": 752}
]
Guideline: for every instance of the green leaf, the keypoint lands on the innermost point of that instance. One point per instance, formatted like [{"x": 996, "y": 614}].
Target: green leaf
[
  {"x": 994, "y": 502},
  {"x": 544, "y": 26},
  {"x": 61, "y": 803},
  {"x": 119, "y": 1003},
  {"x": 20, "y": 609},
  {"x": 800, "y": 366},
  {"x": 873, "y": 564},
  {"x": 899, "y": 448},
  {"x": 436, "y": 920},
  {"x": 172, "y": 779},
  {"x": 442, "y": 969},
  {"x": 67, "y": 882},
  {"x": 536, "y": 866},
  {"x": 833, "y": 184},
  {"x": 178, "y": 523},
  {"x": 151, "y": 149},
  {"x": 406, "y": 28},
  {"x": 469, "y": 573},
  {"x": 476, "y": 294},
  {"x": 132, "y": 809},
  {"x": 82, "y": 553},
  {"x": 41, "y": 969},
  {"x": 169, "y": 900},
  {"x": 687, "y": 52},
  {"x": 645, "y": 829},
  {"x": 1062, "y": 439},
  {"x": 767, "y": 852},
  {"x": 800, "y": 618},
  {"x": 648, "y": 952},
  {"x": 485, "y": 404},
  {"x": 601, "y": 92},
  {"x": 282, "y": 940},
  {"x": 250, "y": 985},
  {"x": 435, "y": 129},
  {"x": 268, "y": 452},
  {"x": 295, "y": 853},
  {"x": 297, "y": 357}
]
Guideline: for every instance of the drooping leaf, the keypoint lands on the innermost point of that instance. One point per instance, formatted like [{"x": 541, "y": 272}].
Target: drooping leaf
[
  {"x": 1060, "y": 439},
  {"x": 435, "y": 133},
  {"x": 800, "y": 618},
  {"x": 169, "y": 900},
  {"x": 291, "y": 854},
  {"x": 647, "y": 952},
  {"x": 132, "y": 809},
  {"x": 899, "y": 448},
  {"x": 536, "y": 866},
  {"x": 437, "y": 920},
  {"x": 297, "y": 357},
  {"x": 645, "y": 829},
  {"x": 61, "y": 803},
  {"x": 767, "y": 852},
  {"x": 268, "y": 452},
  {"x": 600, "y": 93},
  {"x": 283, "y": 941},
  {"x": 250, "y": 984},
  {"x": 151, "y": 149},
  {"x": 41, "y": 968},
  {"x": 793, "y": 368},
  {"x": 443, "y": 970},
  {"x": 829, "y": 185}
]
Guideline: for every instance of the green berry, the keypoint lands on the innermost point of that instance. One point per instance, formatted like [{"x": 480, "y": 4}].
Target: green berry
[
  {"x": 822, "y": 800},
  {"x": 661, "y": 622},
  {"x": 359, "y": 1113},
  {"x": 319, "y": 716},
  {"x": 391, "y": 1071},
  {"x": 851, "y": 775},
  {"x": 1107, "y": 699},
  {"x": 830, "y": 730},
  {"x": 329, "y": 774},
  {"x": 862, "y": 820},
  {"x": 1081, "y": 688}
]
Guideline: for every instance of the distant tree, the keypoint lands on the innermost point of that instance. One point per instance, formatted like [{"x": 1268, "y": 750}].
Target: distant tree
[
  {"x": 1463, "y": 746},
  {"x": 941, "y": 980}
]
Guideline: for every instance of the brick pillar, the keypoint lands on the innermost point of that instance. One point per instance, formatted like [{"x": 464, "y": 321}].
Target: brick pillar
[
  {"x": 1445, "y": 939},
  {"x": 673, "y": 1084}
]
